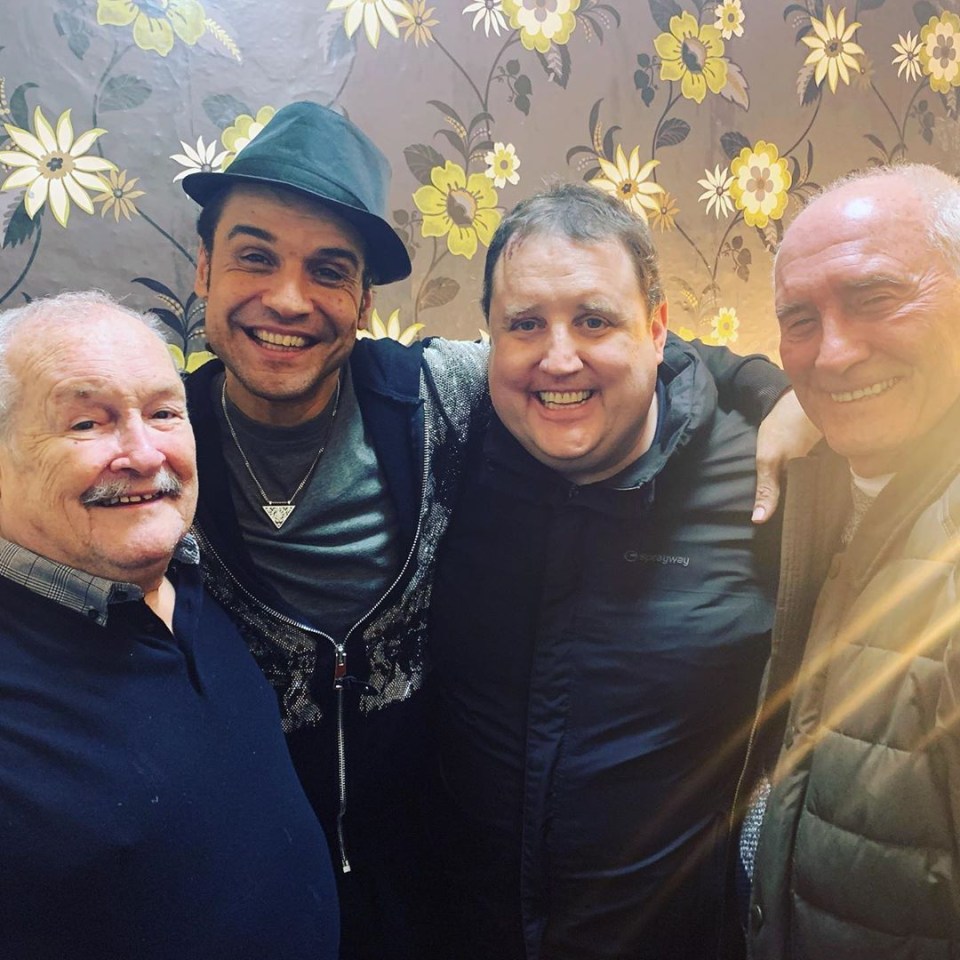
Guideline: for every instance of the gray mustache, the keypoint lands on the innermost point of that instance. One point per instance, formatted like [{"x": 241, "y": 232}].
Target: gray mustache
[{"x": 164, "y": 482}]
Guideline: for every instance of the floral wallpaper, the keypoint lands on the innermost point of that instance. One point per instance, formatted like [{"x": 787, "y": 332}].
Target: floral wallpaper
[{"x": 711, "y": 118}]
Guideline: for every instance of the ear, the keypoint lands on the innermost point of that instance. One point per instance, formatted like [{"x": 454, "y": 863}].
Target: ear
[
  {"x": 201, "y": 280},
  {"x": 366, "y": 305},
  {"x": 658, "y": 328}
]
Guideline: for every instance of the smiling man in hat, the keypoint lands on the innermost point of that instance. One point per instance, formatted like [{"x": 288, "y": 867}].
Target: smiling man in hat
[
  {"x": 320, "y": 508},
  {"x": 328, "y": 471}
]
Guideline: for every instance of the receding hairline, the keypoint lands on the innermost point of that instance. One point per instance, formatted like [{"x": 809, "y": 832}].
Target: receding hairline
[
  {"x": 75, "y": 311},
  {"x": 938, "y": 203}
]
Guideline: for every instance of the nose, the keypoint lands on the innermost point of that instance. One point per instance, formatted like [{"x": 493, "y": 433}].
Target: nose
[
  {"x": 286, "y": 295},
  {"x": 138, "y": 449},
  {"x": 561, "y": 356},
  {"x": 841, "y": 345}
]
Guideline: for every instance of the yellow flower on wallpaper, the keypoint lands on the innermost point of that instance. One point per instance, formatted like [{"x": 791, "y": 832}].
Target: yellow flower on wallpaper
[
  {"x": 716, "y": 191},
  {"x": 490, "y": 12},
  {"x": 243, "y": 129},
  {"x": 502, "y": 164},
  {"x": 665, "y": 214},
  {"x": 940, "y": 51},
  {"x": 459, "y": 208},
  {"x": 627, "y": 180},
  {"x": 188, "y": 364},
  {"x": 730, "y": 19},
  {"x": 724, "y": 326},
  {"x": 378, "y": 330},
  {"x": 155, "y": 21},
  {"x": 542, "y": 22},
  {"x": 761, "y": 179},
  {"x": 908, "y": 50},
  {"x": 417, "y": 23},
  {"x": 692, "y": 54},
  {"x": 52, "y": 166},
  {"x": 832, "y": 49},
  {"x": 371, "y": 13},
  {"x": 117, "y": 193}
]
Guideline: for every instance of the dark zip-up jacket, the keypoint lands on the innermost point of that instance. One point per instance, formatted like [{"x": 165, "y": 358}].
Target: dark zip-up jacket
[{"x": 598, "y": 652}]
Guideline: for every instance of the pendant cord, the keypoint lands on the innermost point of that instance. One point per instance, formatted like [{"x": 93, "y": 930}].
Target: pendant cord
[{"x": 246, "y": 462}]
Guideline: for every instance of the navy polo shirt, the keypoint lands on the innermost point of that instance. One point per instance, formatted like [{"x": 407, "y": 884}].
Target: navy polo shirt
[{"x": 148, "y": 805}]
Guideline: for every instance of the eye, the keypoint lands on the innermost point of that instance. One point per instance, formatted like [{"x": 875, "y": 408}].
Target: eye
[
  {"x": 82, "y": 425},
  {"x": 876, "y": 301},
  {"x": 167, "y": 413},
  {"x": 255, "y": 258},
  {"x": 594, "y": 323},
  {"x": 327, "y": 274},
  {"x": 799, "y": 327},
  {"x": 525, "y": 325}
]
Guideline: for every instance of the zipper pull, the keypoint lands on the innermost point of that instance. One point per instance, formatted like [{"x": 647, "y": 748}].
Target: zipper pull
[{"x": 340, "y": 668}]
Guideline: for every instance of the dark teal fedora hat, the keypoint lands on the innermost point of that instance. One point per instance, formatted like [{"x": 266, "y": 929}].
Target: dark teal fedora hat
[{"x": 313, "y": 149}]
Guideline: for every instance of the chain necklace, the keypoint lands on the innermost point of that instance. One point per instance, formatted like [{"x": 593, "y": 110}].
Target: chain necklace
[{"x": 277, "y": 510}]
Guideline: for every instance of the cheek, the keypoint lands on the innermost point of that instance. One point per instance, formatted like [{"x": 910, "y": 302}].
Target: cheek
[{"x": 797, "y": 359}]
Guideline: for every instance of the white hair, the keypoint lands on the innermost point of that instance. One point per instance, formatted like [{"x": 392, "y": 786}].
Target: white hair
[{"x": 75, "y": 307}]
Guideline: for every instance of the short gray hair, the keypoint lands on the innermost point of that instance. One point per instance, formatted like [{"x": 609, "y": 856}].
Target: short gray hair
[
  {"x": 585, "y": 215},
  {"x": 74, "y": 307}
]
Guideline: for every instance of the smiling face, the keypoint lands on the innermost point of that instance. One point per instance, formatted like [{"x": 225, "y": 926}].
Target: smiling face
[
  {"x": 285, "y": 298},
  {"x": 574, "y": 354},
  {"x": 868, "y": 320},
  {"x": 98, "y": 470}
]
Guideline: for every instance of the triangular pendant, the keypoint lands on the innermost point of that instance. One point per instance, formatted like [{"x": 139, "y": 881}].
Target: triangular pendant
[{"x": 278, "y": 512}]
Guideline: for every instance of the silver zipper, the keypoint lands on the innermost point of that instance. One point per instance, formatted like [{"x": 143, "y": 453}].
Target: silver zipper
[{"x": 340, "y": 649}]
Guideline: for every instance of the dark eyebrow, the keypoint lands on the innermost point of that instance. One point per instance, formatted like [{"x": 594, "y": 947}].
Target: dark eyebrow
[{"x": 246, "y": 230}]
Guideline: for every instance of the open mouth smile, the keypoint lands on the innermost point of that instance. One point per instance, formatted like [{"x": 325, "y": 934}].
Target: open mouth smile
[
  {"x": 128, "y": 499},
  {"x": 563, "y": 398},
  {"x": 865, "y": 393},
  {"x": 278, "y": 341}
]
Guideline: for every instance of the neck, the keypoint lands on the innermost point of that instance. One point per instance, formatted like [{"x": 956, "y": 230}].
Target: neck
[
  {"x": 161, "y": 600},
  {"x": 281, "y": 412}
]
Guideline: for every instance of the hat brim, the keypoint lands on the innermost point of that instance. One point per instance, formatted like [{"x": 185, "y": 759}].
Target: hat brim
[{"x": 386, "y": 257}]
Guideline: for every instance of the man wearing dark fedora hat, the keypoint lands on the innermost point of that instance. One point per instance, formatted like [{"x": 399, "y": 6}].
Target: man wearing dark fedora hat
[
  {"x": 328, "y": 469},
  {"x": 326, "y": 484}
]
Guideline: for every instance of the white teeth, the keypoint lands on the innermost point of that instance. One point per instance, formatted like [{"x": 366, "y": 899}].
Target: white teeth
[
  {"x": 872, "y": 391},
  {"x": 140, "y": 498},
  {"x": 561, "y": 398},
  {"x": 280, "y": 339}
]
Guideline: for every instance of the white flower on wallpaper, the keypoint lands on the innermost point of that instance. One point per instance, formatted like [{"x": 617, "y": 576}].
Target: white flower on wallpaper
[{"x": 203, "y": 158}]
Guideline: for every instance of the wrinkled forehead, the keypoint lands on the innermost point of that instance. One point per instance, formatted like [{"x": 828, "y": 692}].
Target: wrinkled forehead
[
  {"x": 112, "y": 351},
  {"x": 869, "y": 227}
]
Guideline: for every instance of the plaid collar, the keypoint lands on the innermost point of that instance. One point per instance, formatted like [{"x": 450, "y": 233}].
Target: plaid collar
[{"x": 81, "y": 592}]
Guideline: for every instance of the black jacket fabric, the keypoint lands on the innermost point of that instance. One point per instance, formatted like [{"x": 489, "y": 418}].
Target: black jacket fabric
[{"x": 598, "y": 653}]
